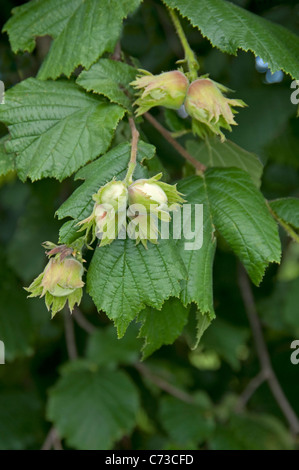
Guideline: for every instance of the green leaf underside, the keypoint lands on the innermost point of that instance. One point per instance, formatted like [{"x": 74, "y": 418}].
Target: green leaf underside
[
  {"x": 212, "y": 152},
  {"x": 124, "y": 278},
  {"x": 82, "y": 406},
  {"x": 82, "y": 30},
  {"x": 287, "y": 209},
  {"x": 162, "y": 326},
  {"x": 56, "y": 127},
  {"x": 114, "y": 164},
  {"x": 230, "y": 27},
  {"x": 111, "y": 79},
  {"x": 7, "y": 160}
]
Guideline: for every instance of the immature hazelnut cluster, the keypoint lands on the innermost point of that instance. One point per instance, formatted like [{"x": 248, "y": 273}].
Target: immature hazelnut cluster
[
  {"x": 122, "y": 209},
  {"x": 61, "y": 280},
  {"x": 203, "y": 100}
]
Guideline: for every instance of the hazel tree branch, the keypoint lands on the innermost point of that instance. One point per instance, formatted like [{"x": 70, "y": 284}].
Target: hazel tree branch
[
  {"x": 52, "y": 441},
  {"x": 178, "y": 147},
  {"x": 70, "y": 336},
  {"x": 263, "y": 355},
  {"x": 163, "y": 384},
  {"x": 82, "y": 321}
]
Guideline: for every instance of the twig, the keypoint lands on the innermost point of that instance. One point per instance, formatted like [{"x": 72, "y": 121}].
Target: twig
[
  {"x": 178, "y": 147},
  {"x": 83, "y": 322},
  {"x": 70, "y": 336},
  {"x": 52, "y": 441},
  {"x": 163, "y": 384},
  {"x": 263, "y": 354},
  {"x": 252, "y": 386},
  {"x": 134, "y": 145},
  {"x": 117, "y": 52}
]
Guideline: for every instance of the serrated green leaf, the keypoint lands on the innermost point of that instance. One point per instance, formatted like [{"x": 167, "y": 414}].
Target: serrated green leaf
[
  {"x": 7, "y": 160},
  {"x": 111, "y": 79},
  {"x": 56, "y": 127},
  {"x": 124, "y": 278},
  {"x": 236, "y": 208},
  {"x": 229, "y": 28},
  {"x": 199, "y": 262},
  {"x": 287, "y": 209},
  {"x": 93, "y": 409},
  {"x": 114, "y": 164},
  {"x": 82, "y": 30},
  {"x": 162, "y": 326},
  {"x": 186, "y": 424},
  {"x": 252, "y": 432},
  {"x": 241, "y": 216},
  {"x": 104, "y": 348},
  {"x": 197, "y": 325},
  {"x": 212, "y": 152}
]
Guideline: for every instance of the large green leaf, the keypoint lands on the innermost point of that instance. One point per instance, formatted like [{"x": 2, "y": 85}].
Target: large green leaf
[
  {"x": 124, "y": 278},
  {"x": 212, "y": 152},
  {"x": 287, "y": 209},
  {"x": 104, "y": 347},
  {"x": 111, "y": 79},
  {"x": 240, "y": 214},
  {"x": 92, "y": 409},
  {"x": 82, "y": 30},
  {"x": 236, "y": 208},
  {"x": 252, "y": 432},
  {"x": 230, "y": 28},
  {"x": 162, "y": 326},
  {"x": 186, "y": 424},
  {"x": 7, "y": 160},
  {"x": 56, "y": 127},
  {"x": 114, "y": 164}
]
